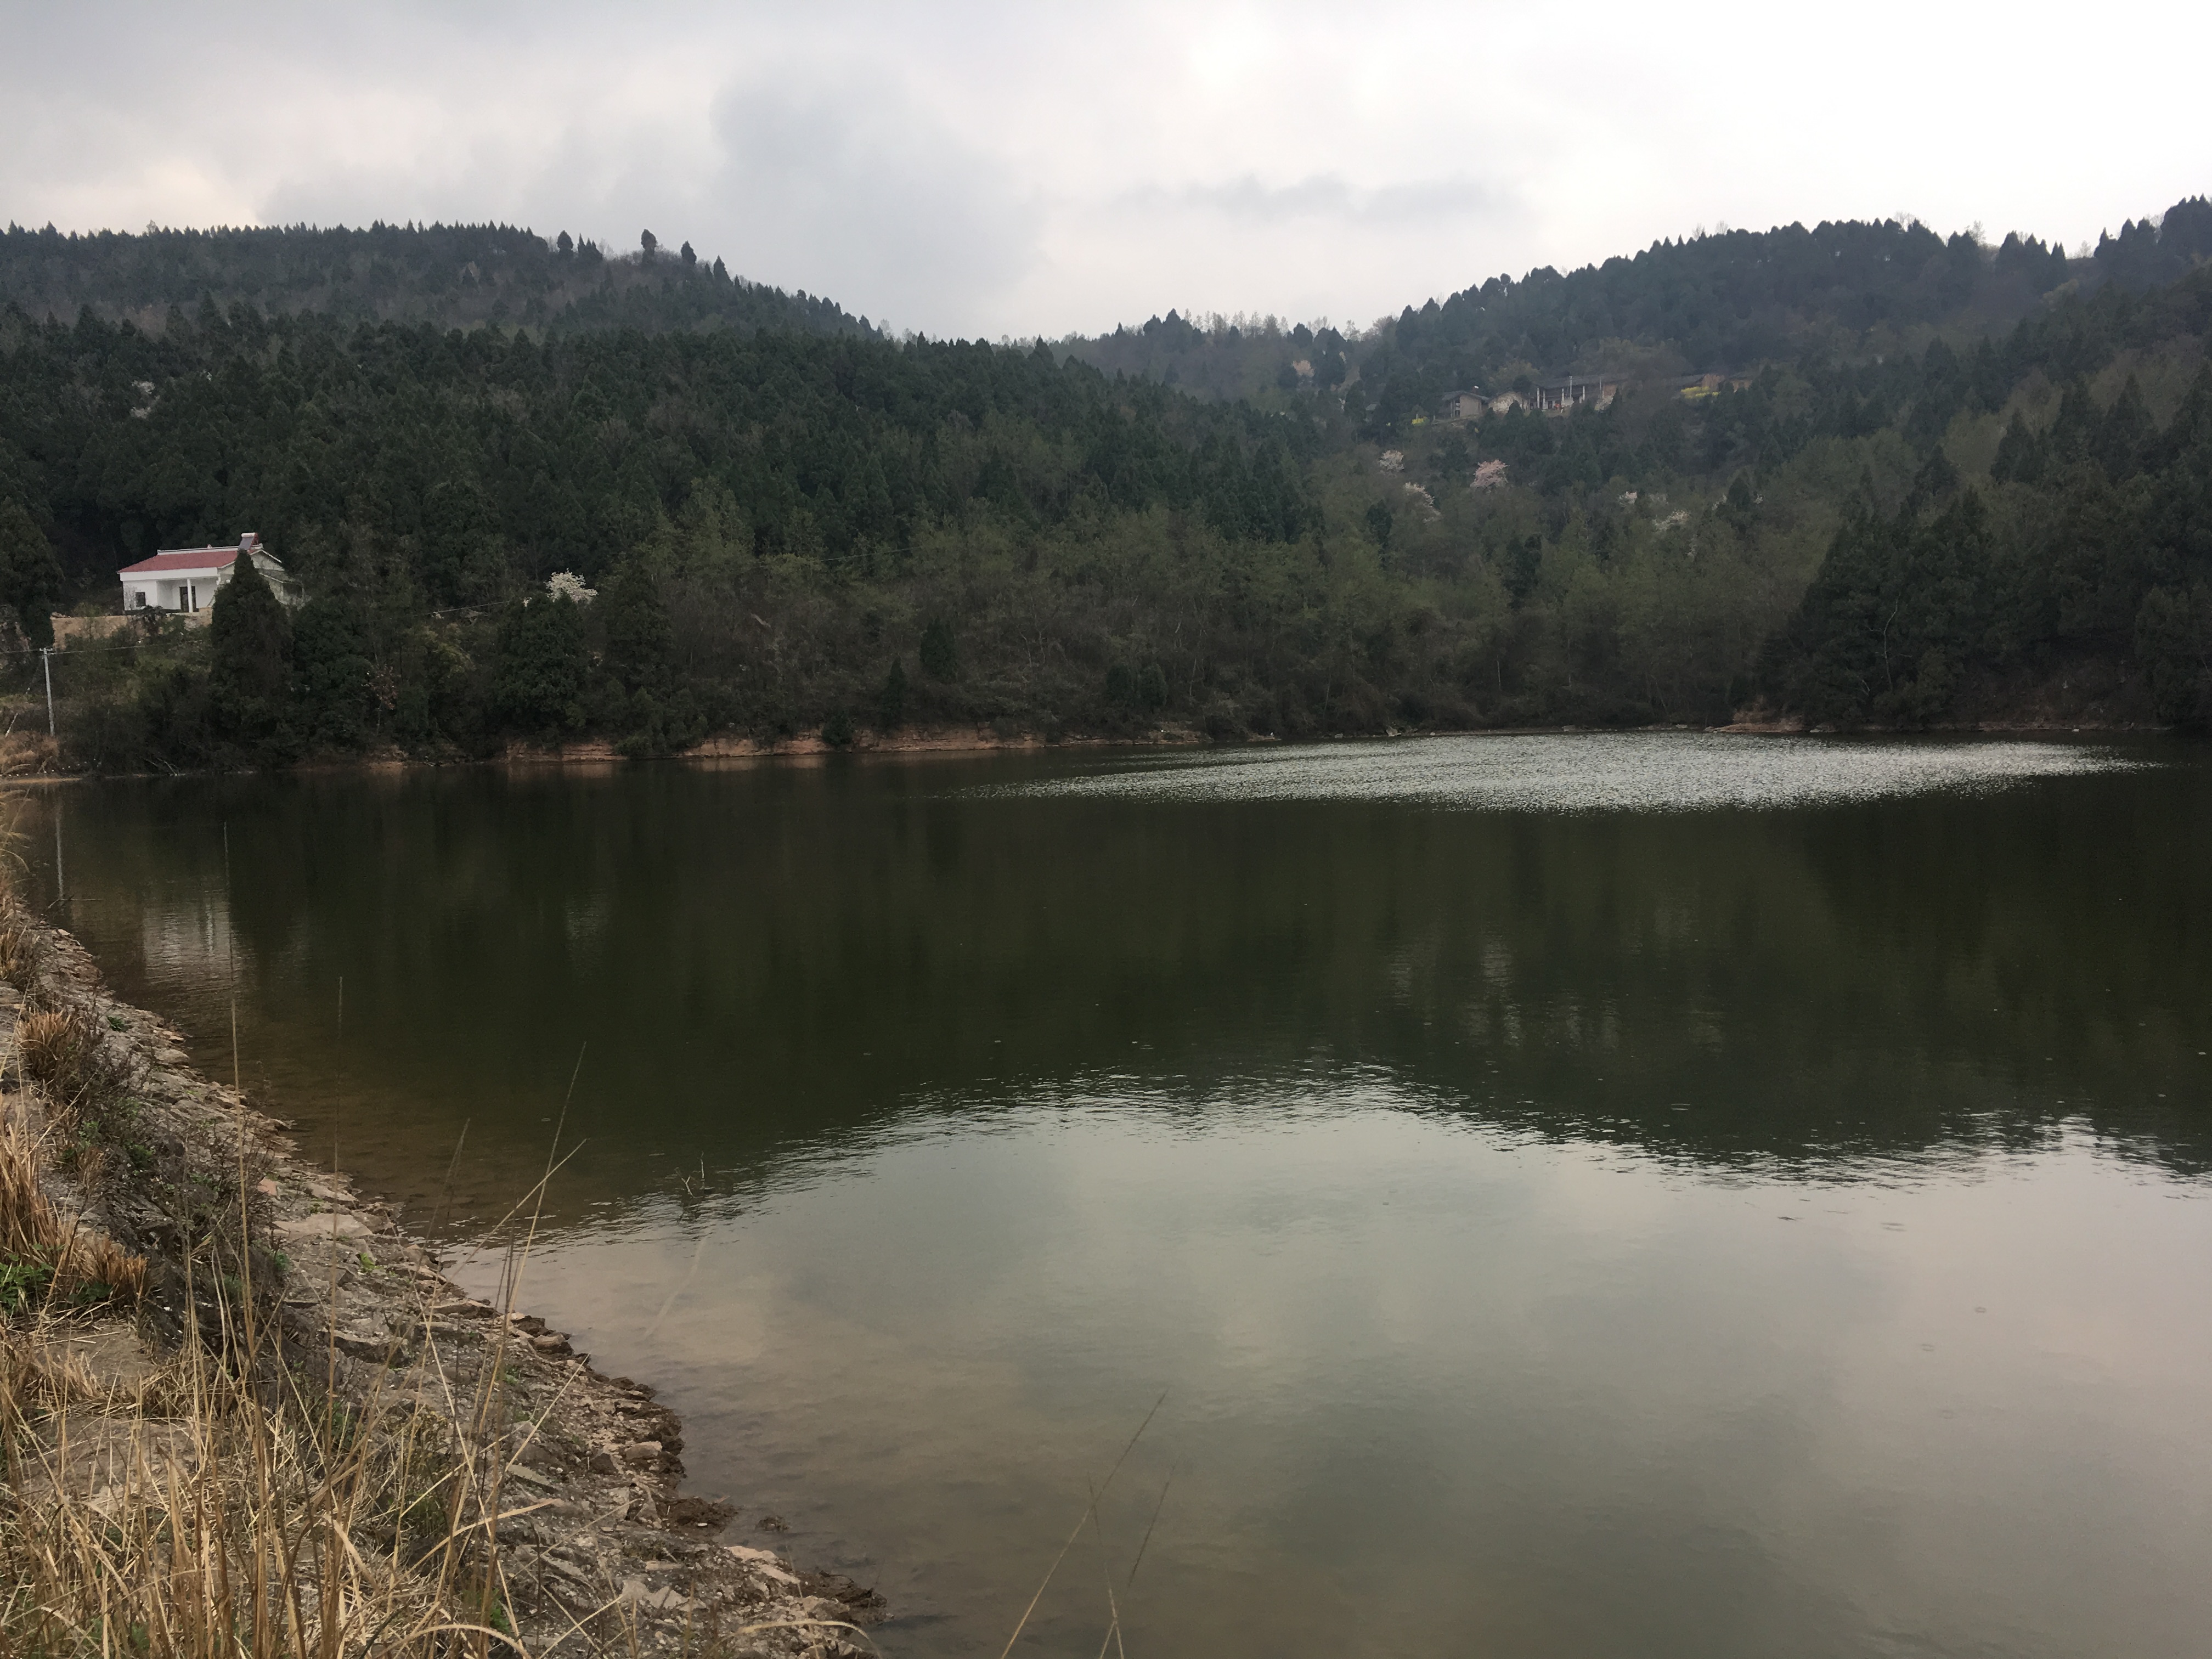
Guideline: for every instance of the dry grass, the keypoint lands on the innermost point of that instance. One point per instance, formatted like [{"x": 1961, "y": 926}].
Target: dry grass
[
  {"x": 83, "y": 1074},
  {"x": 21, "y": 956},
  {"x": 26, "y": 754},
  {"x": 225, "y": 1506},
  {"x": 48, "y": 1252},
  {"x": 54, "y": 1045},
  {"x": 228, "y": 1524}
]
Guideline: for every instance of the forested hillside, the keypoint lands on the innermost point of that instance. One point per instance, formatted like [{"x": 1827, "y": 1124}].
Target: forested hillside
[
  {"x": 791, "y": 531},
  {"x": 1728, "y": 302},
  {"x": 449, "y": 275}
]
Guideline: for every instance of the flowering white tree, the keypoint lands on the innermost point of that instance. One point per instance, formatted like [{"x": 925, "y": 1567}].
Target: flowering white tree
[{"x": 567, "y": 585}]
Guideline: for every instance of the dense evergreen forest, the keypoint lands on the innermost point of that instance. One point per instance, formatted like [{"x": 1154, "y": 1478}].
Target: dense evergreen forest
[
  {"x": 1944, "y": 493},
  {"x": 450, "y": 276},
  {"x": 1730, "y": 301}
]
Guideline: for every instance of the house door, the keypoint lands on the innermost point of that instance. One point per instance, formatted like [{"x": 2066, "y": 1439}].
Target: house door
[{"x": 191, "y": 595}]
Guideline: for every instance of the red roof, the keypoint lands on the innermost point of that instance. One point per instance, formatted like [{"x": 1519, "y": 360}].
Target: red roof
[{"x": 190, "y": 558}]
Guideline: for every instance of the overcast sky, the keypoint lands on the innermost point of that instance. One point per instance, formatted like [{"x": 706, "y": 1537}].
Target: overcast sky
[{"x": 979, "y": 168}]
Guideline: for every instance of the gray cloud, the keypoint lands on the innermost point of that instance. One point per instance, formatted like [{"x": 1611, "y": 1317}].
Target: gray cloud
[
  {"x": 1329, "y": 196},
  {"x": 863, "y": 193}
]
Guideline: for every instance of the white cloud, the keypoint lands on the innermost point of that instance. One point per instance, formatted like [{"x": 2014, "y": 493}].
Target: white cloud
[{"x": 988, "y": 169}]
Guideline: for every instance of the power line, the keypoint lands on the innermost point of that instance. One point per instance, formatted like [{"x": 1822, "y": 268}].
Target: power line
[{"x": 65, "y": 651}]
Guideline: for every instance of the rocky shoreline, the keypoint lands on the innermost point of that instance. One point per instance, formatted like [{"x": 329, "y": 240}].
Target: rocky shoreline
[{"x": 599, "y": 1548}]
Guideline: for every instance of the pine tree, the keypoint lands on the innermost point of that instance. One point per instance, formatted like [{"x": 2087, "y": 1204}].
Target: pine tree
[
  {"x": 537, "y": 681},
  {"x": 637, "y": 627},
  {"x": 1153, "y": 689},
  {"x": 249, "y": 658},
  {"x": 2126, "y": 434},
  {"x": 941, "y": 653},
  {"x": 2173, "y": 642},
  {"x": 331, "y": 694},
  {"x": 2019, "y": 454},
  {"x": 31, "y": 580},
  {"x": 891, "y": 701}
]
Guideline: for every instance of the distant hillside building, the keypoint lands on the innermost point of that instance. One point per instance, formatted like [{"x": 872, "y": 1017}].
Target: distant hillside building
[
  {"x": 1694, "y": 386},
  {"x": 187, "y": 578},
  {"x": 1561, "y": 396},
  {"x": 1467, "y": 406}
]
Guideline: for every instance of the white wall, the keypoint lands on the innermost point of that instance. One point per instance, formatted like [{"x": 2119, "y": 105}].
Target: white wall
[{"x": 167, "y": 593}]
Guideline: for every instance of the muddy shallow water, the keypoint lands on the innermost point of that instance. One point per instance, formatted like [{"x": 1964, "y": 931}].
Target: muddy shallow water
[{"x": 1642, "y": 1194}]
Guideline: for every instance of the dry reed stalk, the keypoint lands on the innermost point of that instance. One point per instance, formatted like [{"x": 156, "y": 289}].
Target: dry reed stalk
[
  {"x": 29, "y": 1222},
  {"x": 11, "y": 859}
]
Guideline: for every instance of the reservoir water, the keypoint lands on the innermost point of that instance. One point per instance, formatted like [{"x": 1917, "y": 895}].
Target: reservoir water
[{"x": 1602, "y": 1195}]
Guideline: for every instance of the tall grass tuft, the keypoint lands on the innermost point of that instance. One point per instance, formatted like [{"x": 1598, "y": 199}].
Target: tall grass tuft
[
  {"x": 83, "y": 1074},
  {"x": 54, "y": 1045},
  {"x": 207, "y": 1517},
  {"x": 20, "y": 955},
  {"x": 46, "y": 1252}
]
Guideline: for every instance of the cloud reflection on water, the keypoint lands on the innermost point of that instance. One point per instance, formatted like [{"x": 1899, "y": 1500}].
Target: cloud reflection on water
[{"x": 1600, "y": 772}]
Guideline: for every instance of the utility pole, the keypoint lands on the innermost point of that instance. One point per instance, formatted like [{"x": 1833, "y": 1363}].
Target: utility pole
[{"x": 47, "y": 660}]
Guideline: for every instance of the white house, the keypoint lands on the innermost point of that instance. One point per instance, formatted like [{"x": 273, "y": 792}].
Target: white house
[
  {"x": 1563, "y": 396},
  {"x": 185, "y": 578}
]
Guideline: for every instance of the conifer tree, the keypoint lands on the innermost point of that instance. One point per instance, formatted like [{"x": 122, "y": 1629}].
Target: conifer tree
[
  {"x": 250, "y": 657},
  {"x": 537, "y": 683},
  {"x": 891, "y": 701},
  {"x": 941, "y": 653},
  {"x": 31, "y": 580},
  {"x": 637, "y": 627}
]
